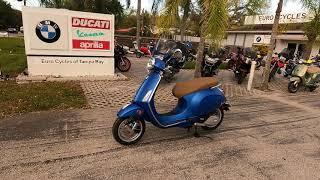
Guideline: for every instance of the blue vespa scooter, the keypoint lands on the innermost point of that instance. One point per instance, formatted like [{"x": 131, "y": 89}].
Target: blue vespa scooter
[{"x": 201, "y": 103}]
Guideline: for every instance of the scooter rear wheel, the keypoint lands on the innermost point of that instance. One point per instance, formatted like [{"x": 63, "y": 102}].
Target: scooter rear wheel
[
  {"x": 214, "y": 121},
  {"x": 128, "y": 131}
]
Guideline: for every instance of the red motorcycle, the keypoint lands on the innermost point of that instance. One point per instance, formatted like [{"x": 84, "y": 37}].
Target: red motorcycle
[{"x": 277, "y": 63}]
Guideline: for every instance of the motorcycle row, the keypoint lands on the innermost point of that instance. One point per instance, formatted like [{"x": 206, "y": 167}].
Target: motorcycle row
[
  {"x": 175, "y": 58},
  {"x": 301, "y": 73}
]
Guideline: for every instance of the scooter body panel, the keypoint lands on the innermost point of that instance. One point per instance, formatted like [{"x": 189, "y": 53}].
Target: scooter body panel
[
  {"x": 130, "y": 110},
  {"x": 194, "y": 106}
]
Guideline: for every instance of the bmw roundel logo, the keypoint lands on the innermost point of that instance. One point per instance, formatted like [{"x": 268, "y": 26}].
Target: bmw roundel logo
[
  {"x": 258, "y": 39},
  {"x": 48, "y": 31}
]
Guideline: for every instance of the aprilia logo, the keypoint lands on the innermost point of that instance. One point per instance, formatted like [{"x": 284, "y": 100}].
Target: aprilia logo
[{"x": 88, "y": 44}]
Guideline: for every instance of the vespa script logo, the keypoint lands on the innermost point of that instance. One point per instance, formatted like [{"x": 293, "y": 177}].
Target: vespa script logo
[{"x": 48, "y": 31}]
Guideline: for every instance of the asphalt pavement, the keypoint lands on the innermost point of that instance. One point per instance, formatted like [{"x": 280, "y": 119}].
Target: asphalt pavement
[{"x": 264, "y": 136}]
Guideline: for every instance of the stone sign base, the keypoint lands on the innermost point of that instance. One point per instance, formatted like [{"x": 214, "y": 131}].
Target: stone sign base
[{"x": 70, "y": 66}]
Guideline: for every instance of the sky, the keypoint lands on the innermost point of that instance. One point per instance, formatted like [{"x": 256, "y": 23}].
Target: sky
[{"x": 290, "y": 6}]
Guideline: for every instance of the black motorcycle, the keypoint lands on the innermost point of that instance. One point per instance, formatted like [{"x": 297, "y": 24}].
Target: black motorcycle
[
  {"x": 259, "y": 60},
  {"x": 174, "y": 62},
  {"x": 211, "y": 63},
  {"x": 120, "y": 61},
  {"x": 243, "y": 66}
]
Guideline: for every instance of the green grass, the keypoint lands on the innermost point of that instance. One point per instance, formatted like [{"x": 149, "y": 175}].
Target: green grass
[
  {"x": 189, "y": 65},
  {"x": 12, "y": 64},
  {"x": 21, "y": 98},
  {"x": 223, "y": 65},
  {"x": 13, "y": 45},
  {"x": 12, "y": 56}
]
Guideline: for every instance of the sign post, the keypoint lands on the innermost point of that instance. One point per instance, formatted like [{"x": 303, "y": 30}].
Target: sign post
[{"x": 66, "y": 43}]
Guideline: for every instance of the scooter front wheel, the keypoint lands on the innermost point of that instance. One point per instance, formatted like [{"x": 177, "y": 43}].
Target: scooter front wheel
[
  {"x": 293, "y": 86},
  {"x": 128, "y": 131},
  {"x": 214, "y": 121}
]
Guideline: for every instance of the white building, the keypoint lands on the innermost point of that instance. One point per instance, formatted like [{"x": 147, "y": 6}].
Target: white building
[{"x": 257, "y": 32}]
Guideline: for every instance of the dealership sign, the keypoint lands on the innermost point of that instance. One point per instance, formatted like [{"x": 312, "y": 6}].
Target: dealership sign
[
  {"x": 284, "y": 18},
  {"x": 53, "y": 36}
]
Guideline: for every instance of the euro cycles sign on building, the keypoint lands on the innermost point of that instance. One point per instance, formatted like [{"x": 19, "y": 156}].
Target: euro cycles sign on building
[
  {"x": 61, "y": 42},
  {"x": 285, "y": 18}
]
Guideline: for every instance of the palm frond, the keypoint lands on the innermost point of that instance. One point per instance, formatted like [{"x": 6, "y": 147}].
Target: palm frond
[
  {"x": 214, "y": 19},
  {"x": 171, "y": 13},
  {"x": 128, "y": 2},
  {"x": 155, "y": 6},
  {"x": 312, "y": 5}
]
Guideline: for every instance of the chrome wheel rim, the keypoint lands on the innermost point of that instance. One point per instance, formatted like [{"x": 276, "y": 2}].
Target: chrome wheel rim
[
  {"x": 214, "y": 120},
  {"x": 130, "y": 130}
]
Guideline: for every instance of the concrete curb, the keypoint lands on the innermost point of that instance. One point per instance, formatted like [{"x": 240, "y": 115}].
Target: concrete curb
[{"x": 26, "y": 79}]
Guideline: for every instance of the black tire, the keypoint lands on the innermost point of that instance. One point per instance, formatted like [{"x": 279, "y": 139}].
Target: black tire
[
  {"x": 272, "y": 74},
  {"x": 292, "y": 88},
  {"x": 168, "y": 79},
  {"x": 258, "y": 65},
  {"x": 241, "y": 78},
  {"x": 139, "y": 55},
  {"x": 311, "y": 89},
  {"x": 216, "y": 126},
  {"x": 127, "y": 65},
  {"x": 116, "y": 135}
]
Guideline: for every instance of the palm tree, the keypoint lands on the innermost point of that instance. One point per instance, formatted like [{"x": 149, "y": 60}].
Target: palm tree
[
  {"x": 212, "y": 26},
  {"x": 185, "y": 7},
  {"x": 138, "y": 20},
  {"x": 272, "y": 46},
  {"x": 312, "y": 28}
]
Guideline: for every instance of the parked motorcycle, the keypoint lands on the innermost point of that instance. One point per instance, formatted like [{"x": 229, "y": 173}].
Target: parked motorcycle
[
  {"x": 211, "y": 62},
  {"x": 277, "y": 63},
  {"x": 259, "y": 60},
  {"x": 201, "y": 104},
  {"x": 120, "y": 61},
  {"x": 303, "y": 75},
  {"x": 242, "y": 68},
  {"x": 175, "y": 58},
  {"x": 143, "y": 51}
]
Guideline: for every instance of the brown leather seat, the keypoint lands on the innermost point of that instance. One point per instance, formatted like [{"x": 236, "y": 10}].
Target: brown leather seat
[
  {"x": 313, "y": 70},
  {"x": 183, "y": 88}
]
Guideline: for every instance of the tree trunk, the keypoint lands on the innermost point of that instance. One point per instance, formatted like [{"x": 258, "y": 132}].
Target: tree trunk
[
  {"x": 182, "y": 31},
  {"x": 266, "y": 71},
  {"x": 138, "y": 23},
  {"x": 308, "y": 50},
  {"x": 183, "y": 27},
  {"x": 198, "y": 67}
]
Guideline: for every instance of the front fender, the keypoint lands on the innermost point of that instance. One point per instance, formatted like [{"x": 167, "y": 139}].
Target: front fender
[
  {"x": 131, "y": 110},
  {"x": 295, "y": 79}
]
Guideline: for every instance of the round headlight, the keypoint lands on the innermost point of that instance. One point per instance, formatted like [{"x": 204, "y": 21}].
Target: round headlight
[{"x": 151, "y": 63}]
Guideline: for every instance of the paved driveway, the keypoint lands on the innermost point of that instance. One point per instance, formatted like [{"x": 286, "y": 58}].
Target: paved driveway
[{"x": 265, "y": 136}]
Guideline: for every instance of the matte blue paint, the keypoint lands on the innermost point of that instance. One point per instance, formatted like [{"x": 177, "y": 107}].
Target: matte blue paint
[{"x": 189, "y": 109}]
